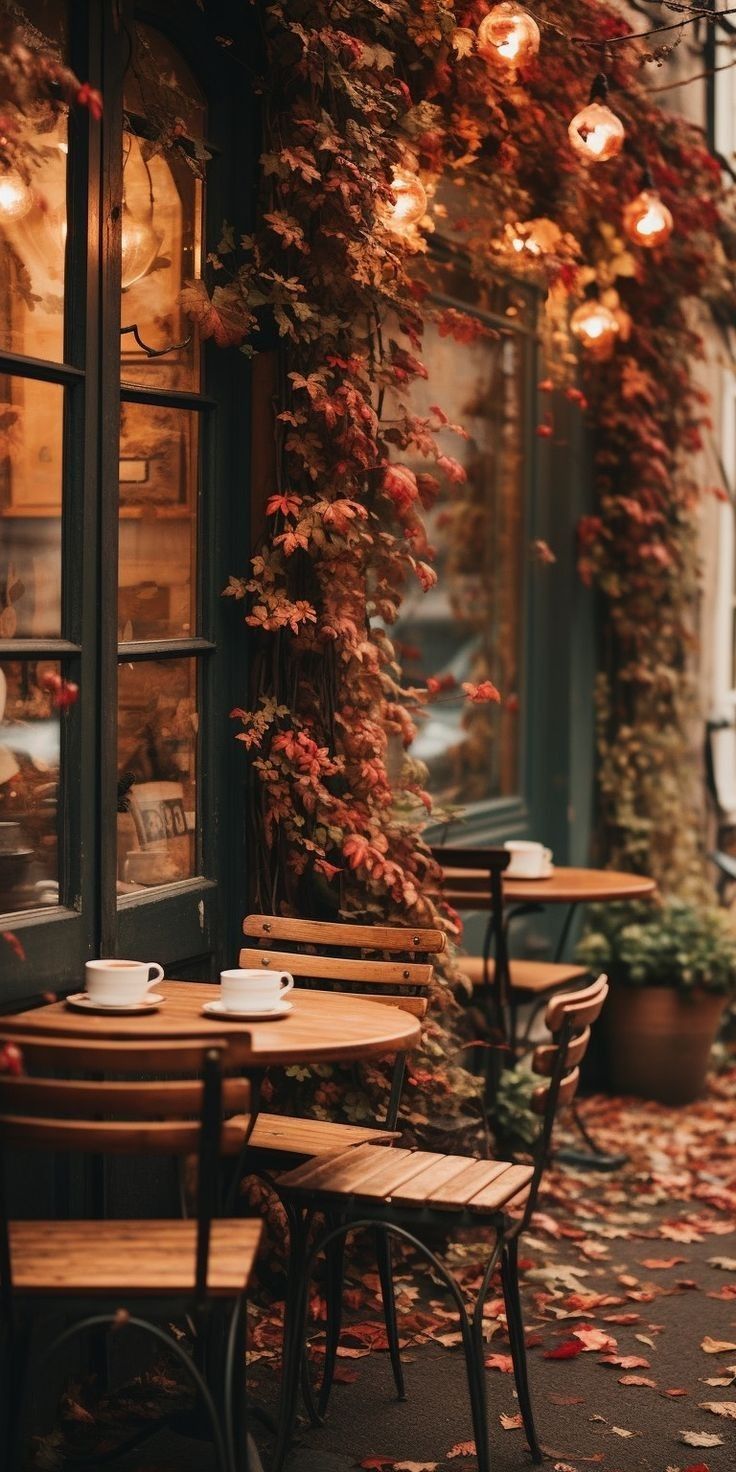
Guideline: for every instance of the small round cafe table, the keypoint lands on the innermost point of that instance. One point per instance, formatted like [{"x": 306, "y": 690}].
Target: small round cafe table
[
  {"x": 322, "y": 1027},
  {"x": 469, "y": 889}
]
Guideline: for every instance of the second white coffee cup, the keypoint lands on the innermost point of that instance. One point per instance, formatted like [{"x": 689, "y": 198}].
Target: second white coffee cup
[
  {"x": 242, "y": 990},
  {"x": 529, "y": 860}
]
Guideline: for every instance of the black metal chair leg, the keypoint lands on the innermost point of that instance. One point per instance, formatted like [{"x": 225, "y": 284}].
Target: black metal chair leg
[
  {"x": 15, "y": 1376},
  {"x": 386, "y": 1273},
  {"x": 335, "y": 1266},
  {"x": 515, "y": 1320},
  {"x": 296, "y": 1306},
  {"x": 234, "y": 1389}
]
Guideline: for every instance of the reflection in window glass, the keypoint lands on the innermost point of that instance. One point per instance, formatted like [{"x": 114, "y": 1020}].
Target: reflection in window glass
[
  {"x": 33, "y": 214},
  {"x": 161, "y": 250},
  {"x": 31, "y": 443},
  {"x": 468, "y": 627},
  {"x": 157, "y": 750},
  {"x": 162, "y": 216},
  {"x": 29, "y": 773},
  {"x": 158, "y": 510}
]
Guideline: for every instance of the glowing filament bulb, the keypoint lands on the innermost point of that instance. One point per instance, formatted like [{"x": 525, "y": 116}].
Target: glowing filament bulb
[
  {"x": 595, "y": 327},
  {"x": 596, "y": 133},
  {"x": 508, "y": 34},
  {"x": 647, "y": 221},
  {"x": 410, "y": 202},
  {"x": 16, "y": 198}
]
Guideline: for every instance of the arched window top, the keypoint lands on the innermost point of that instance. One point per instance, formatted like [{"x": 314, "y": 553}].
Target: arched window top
[{"x": 161, "y": 85}]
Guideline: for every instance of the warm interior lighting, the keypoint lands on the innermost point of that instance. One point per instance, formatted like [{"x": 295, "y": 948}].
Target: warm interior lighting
[
  {"x": 508, "y": 35},
  {"x": 16, "y": 198},
  {"x": 410, "y": 204},
  {"x": 647, "y": 221},
  {"x": 140, "y": 246},
  {"x": 595, "y": 326}
]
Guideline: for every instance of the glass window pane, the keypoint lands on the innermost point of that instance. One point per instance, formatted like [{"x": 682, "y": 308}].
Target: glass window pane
[
  {"x": 33, "y": 215},
  {"x": 157, "y": 776},
  {"x": 29, "y": 774},
  {"x": 31, "y": 445},
  {"x": 162, "y": 216},
  {"x": 468, "y": 627},
  {"x": 161, "y": 250},
  {"x": 158, "y": 521}
]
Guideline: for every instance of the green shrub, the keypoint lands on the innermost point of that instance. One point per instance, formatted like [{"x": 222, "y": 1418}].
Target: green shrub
[{"x": 671, "y": 944}]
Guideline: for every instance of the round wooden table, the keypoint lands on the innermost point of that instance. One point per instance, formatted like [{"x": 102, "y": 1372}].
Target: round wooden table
[
  {"x": 322, "y": 1027},
  {"x": 470, "y": 888}
]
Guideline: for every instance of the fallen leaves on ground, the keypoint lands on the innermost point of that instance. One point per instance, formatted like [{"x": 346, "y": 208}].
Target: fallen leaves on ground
[
  {"x": 700, "y": 1438},
  {"x": 716, "y": 1346}
]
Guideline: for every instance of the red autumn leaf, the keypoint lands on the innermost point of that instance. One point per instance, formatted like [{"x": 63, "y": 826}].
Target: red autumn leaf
[
  {"x": 511, "y": 1422},
  {"x": 566, "y": 1351},
  {"x": 625, "y": 1361},
  {"x": 462, "y": 1449},
  {"x": 594, "y": 1339},
  {"x": 479, "y": 693},
  {"x": 662, "y": 1262},
  {"x": 502, "y": 1362}
]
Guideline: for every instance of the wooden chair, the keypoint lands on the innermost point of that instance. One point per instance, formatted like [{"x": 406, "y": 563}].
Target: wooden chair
[
  {"x": 503, "y": 984},
  {"x": 388, "y": 964},
  {"x": 67, "y": 1101},
  {"x": 414, "y": 1194}
]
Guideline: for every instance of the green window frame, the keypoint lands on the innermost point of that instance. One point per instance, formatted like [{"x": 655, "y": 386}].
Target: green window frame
[{"x": 191, "y": 925}]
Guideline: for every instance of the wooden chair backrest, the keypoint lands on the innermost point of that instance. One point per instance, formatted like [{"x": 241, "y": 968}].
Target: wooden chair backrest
[
  {"x": 323, "y": 954},
  {"x": 491, "y": 859},
  {"x": 569, "y": 1018},
  {"x": 49, "y": 1106}
]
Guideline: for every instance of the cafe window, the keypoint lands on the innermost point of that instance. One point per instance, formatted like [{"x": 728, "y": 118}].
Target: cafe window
[
  {"x": 116, "y": 524},
  {"x": 470, "y": 626}
]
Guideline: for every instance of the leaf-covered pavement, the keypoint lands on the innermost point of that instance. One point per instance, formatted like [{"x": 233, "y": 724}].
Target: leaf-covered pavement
[{"x": 629, "y": 1287}]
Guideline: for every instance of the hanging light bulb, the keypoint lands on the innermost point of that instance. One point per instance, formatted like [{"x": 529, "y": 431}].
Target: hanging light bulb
[
  {"x": 508, "y": 36},
  {"x": 594, "y": 325},
  {"x": 596, "y": 133},
  {"x": 410, "y": 204},
  {"x": 647, "y": 221},
  {"x": 16, "y": 199},
  {"x": 139, "y": 248}
]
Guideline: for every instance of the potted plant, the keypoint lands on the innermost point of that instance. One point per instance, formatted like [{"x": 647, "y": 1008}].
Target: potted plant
[{"x": 672, "y": 967}]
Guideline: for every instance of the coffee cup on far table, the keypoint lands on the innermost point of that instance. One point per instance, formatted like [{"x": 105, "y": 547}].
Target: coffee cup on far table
[
  {"x": 253, "y": 991},
  {"x": 120, "y": 983},
  {"x": 529, "y": 860}
]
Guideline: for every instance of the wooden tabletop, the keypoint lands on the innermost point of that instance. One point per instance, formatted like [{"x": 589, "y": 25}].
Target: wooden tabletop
[
  {"x": 470, "y": 888},
  {"x": 323, "y": 1027}
]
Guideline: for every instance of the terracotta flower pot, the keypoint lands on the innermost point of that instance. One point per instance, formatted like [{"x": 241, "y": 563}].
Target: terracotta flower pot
[{"x": 658, "y": 1041}]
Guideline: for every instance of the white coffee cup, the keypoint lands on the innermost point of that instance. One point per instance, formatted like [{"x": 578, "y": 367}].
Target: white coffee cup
[
  {"x": 253, "y": 991},
  {"x": 120, "y": 983},
  {"x": 529, "y": 860}
]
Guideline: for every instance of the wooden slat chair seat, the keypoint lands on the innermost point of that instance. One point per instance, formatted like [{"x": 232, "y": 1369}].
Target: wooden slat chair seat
[
  {"x": 53, "y": 1106},
  {"x": 412, "y": 1193},
  {"x": 527, "y": 979},
  {"x": 140, "y": 1257}
]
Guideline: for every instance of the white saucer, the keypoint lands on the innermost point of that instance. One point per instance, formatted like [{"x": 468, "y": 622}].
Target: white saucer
[
  {"x": 84, "y": 1003},
  {"x": 218, "y": 1009},
  {"x": 514, "y": 874}
]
